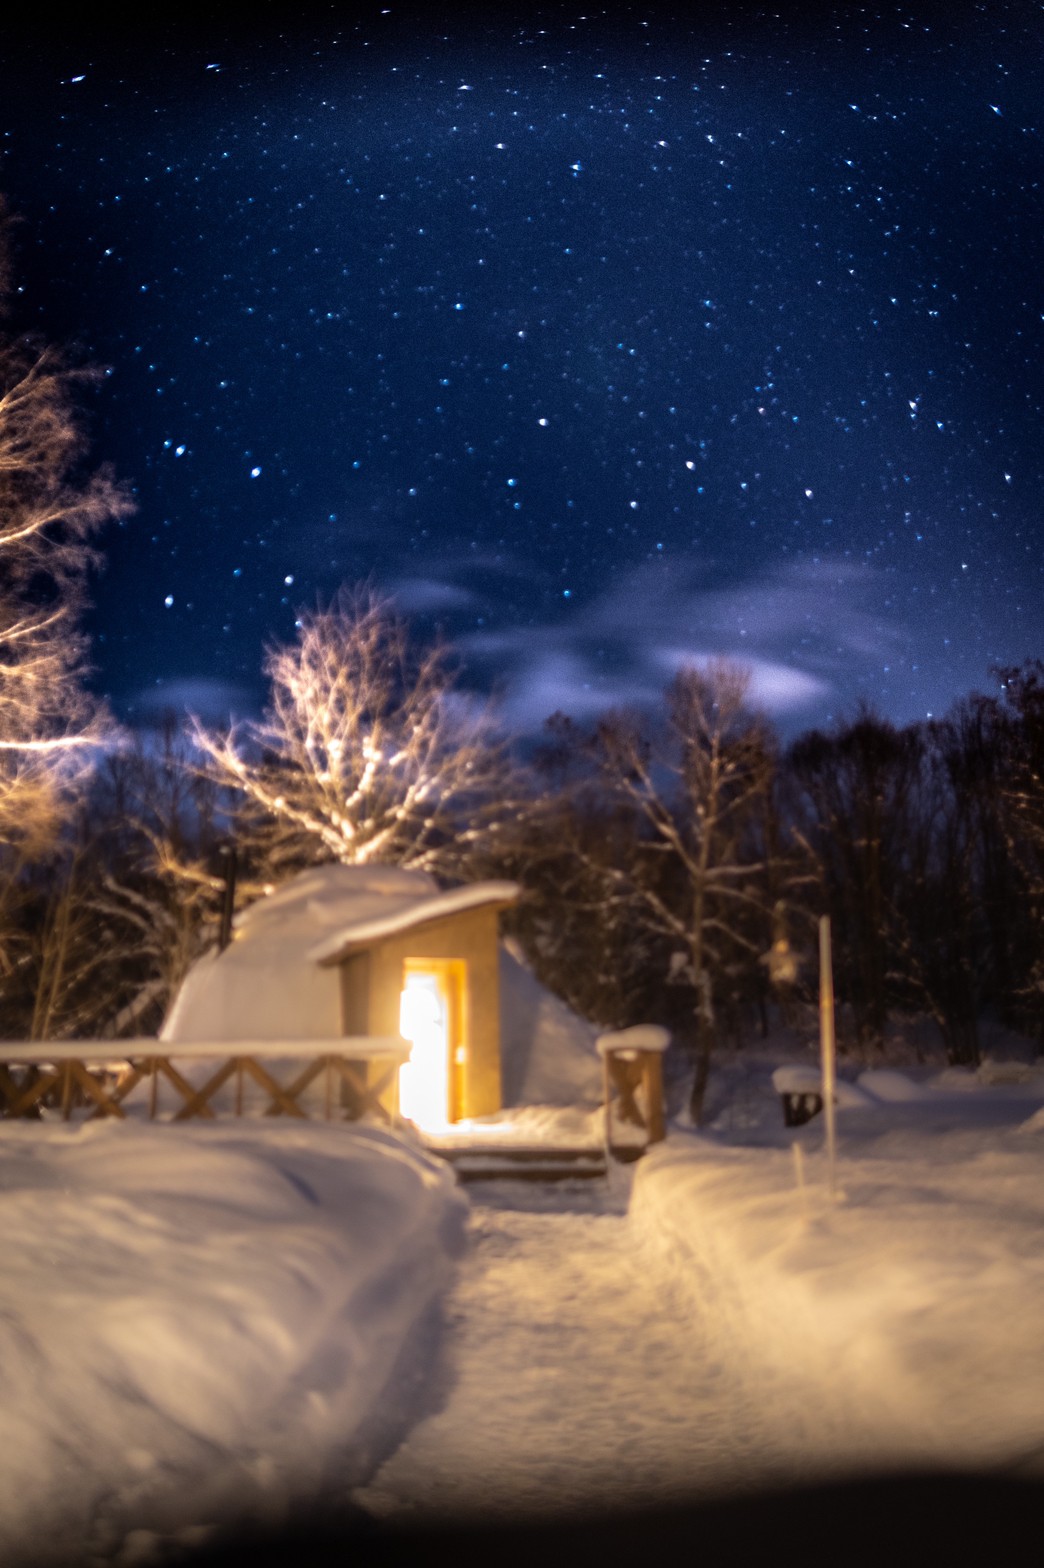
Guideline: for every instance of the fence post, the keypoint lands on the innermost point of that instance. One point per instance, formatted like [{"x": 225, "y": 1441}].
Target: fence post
[
  {"x": 827, "y": 1046},
  {"x": 631, "y": 1063}
]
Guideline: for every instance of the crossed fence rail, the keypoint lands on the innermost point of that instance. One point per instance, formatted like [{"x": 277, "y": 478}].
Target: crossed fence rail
[
  {"x": 340, "y": 1079},
  {"x": 337, "y": 1080}
]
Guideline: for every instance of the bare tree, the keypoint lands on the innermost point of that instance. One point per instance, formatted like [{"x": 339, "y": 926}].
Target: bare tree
[
  {"x": 50, "y": 508},
  {"x": 1023, "y": 691},
  {"x": 366, "y": 752},
  {"x": 107, "y": 928},
  {"x": 159, "y": 880},
  {"x": 857, "y": 789},
  {"x": 572, "y": 845},
  {"x": 693, "y": 876},
  {"x": 934, "y": 926},
  {"x": 1023, "y": 812}
]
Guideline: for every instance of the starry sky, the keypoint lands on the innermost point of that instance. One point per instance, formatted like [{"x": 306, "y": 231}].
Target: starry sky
[{"x": 603, "y": 342}]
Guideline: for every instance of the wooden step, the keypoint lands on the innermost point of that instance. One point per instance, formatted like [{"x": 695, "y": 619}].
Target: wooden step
[{"x": 476, "y": 1162}]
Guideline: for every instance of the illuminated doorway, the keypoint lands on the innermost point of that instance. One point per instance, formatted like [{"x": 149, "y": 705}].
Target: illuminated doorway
[{"x": 431, "y": 1018}]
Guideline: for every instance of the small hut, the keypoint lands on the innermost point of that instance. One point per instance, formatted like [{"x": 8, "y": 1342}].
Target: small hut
[{"x": 366, "y": 951}]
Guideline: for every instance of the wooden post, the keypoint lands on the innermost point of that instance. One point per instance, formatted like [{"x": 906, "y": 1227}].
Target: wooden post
[
  {"x": 827, "y": 1045},
  {"x": 153, "y": 1087},
  {"x": 652, "y": 1073},
  {"x": 607, "y": 1095},
  {"x": 228, "y": 902}
]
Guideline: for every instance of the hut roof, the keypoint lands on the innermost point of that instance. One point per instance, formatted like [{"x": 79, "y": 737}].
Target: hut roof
[
  {"x": 275, "y": 980},
  {"x": 409, "y": 911}
]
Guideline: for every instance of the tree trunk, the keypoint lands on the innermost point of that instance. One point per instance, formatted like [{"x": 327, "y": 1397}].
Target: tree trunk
[
  {"x": 700, "y": 1077},
  {"x": 704, "y": 1047}
]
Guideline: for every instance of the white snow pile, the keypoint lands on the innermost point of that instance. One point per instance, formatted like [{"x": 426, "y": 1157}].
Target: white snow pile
[
  {"x": 269, "y": 984},
  {"x": 629, "y": 1042},
  {"x": 548, "y": 1054},
  {"x": 872, "y": 1086},
  {"x": 911, "y": 1309},
  {"x": 197, "y": 1324}
]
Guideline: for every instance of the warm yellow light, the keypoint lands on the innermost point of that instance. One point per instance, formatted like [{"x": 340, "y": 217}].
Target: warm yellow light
[{"x": 424, "y": 1079}]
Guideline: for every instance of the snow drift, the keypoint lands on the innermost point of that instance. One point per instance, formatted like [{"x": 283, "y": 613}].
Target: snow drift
[
  {"x": 269, "y": 984},
  {"x": 911, "y": 1311},
  {"x": 195, "y": 1324},
  {"x": 548, "y": 1053}
]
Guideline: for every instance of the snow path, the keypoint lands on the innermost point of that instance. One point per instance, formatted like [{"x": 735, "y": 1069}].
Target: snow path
[{"x": 573, "y": 1375}]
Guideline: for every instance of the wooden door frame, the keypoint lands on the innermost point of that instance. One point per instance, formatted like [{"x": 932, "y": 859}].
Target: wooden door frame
[{"x": 451, "y": 975}]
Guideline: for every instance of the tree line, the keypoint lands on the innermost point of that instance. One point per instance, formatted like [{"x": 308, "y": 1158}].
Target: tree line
[{"x": 674, "y": 863}]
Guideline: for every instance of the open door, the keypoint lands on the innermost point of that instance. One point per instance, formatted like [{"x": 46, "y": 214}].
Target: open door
[{"x": 431, "y": 1018}]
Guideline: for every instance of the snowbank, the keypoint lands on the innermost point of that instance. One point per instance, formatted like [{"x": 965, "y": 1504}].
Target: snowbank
[
  {"x": 895, "y": 1087},
  {"x": 267, "y": 984},
  {"x": 548, "y": 1054},
  {"x": 912, "y": 1311},
  {"x": 809, "y": 1080},
  {"x": 196, "y": 1323},
  {"x": 271, "y": 983}
]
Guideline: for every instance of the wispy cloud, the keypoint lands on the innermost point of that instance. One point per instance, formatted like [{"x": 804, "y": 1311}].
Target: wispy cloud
[
  {"x": 807, "y": 633},
  {"x": 812, "y": 635},
  {"x": 430, "y": 595},
  {"x": 213, "y": 701}
]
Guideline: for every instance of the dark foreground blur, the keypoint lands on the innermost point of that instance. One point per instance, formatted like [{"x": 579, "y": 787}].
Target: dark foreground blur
[{"x": 926, "y": 1519}]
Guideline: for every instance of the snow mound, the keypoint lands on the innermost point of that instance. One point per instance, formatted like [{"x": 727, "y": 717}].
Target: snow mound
[
  {"x": 528, "y": 1126},
  {"x": 268, "y": 986},
  {"x": 203, "y": 1319},
  {"x": 961, "y": 1079},
  {"x": 992, "y": 1071},
  {"x": 809, "y": 1080},
  {"x": 321, "y": 898},
  {"x": 886, "y": 1084},
  {"x": 277, "y": 979},
  {"x": 641, "y": 1037},
  {"x": 548, "y": 1053},
  {"x": 910, "y": 1315}
]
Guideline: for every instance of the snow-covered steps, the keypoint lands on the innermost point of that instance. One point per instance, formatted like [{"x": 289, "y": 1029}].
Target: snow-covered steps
[{"x": 478, "y": 1162}]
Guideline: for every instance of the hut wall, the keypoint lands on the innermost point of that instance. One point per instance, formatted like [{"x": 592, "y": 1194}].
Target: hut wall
[
  {"x": 470, "y": 936},
  {"x": 355, "y": 995}
]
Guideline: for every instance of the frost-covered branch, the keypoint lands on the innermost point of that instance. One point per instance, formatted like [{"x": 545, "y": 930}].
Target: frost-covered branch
[
  {"x": 366, "y": 752},
  {"x": 50, "y": 510}
]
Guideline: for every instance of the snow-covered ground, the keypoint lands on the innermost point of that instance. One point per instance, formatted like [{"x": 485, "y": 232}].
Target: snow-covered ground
[
  {"x": 200, "y": 1326},
  {"x": 574, "y": 1377},
  {"x": 729, "y": 1327},
  {"x": 910, "y": 1308},
  {"x": 222, "y": 1323}
]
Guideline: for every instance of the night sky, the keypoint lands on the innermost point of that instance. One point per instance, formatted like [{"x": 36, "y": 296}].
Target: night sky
[{"x": 602, "y": 344}]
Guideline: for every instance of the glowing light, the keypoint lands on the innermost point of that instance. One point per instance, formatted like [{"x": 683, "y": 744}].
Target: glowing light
[{"x": 424, "y": 1079}]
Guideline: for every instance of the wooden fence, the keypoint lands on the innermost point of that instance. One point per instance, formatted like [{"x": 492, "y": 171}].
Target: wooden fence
[
  {"x": 633, "y": 1089},
  {"x": 341, "y": 1079}
]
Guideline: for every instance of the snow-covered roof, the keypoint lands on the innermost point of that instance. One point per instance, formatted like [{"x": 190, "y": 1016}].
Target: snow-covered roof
[
  {"x": 411, "y": 909},
  {"x": 326, "y": 896},
  {"x": 276, "y": 981}
]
